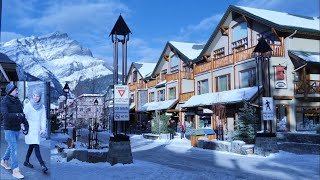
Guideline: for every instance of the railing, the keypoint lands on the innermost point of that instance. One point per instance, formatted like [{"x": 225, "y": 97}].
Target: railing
[
  {"x": 141, "y": 86},
  {"x": 152, "y": 83},
  {"x": 224, "y": 61},
  {"x": 132, "y": 87},
  {"x": 307, "y": 87},
  {"x": 243, "y": 54},
  {"x": 277, "y": 51},
  {"x": 186, "y": 96},
  {"x": 171, "y": 77},
  {"x": 186, "y": 75},
  {"x": 202, "y": 68}
]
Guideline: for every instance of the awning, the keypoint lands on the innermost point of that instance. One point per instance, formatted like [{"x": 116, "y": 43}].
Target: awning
[
  {"x": 224, "y": 97},
  {"x": 161, "y": 105}
]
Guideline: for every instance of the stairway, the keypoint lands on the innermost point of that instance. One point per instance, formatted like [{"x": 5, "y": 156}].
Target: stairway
[{"x": 300, "y": 143}]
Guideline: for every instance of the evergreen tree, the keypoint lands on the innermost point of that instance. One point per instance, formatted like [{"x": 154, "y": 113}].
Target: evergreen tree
[
  {"x": 159, "y": 124},
  {"x": 245, "y": 129}
]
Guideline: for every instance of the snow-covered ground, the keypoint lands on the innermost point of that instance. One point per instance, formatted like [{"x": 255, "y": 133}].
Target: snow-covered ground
[{"x": 177, "y": 159}]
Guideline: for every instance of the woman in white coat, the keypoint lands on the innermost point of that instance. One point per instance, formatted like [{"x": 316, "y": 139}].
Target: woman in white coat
[{"x": 35, "y": 114}]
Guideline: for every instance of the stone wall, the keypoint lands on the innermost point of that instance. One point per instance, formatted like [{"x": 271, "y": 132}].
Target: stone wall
[{"x": 265, "y": 145}]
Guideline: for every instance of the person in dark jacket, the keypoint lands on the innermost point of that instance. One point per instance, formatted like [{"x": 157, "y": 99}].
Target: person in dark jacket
[{"x": 13, "y": 118}]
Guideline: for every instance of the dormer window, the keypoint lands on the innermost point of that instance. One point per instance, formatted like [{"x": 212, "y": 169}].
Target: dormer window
[
  {"x": 174, "y": 64},
  {"x": 240, "y": 37}
]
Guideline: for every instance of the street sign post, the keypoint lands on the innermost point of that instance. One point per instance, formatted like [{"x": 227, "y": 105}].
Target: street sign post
[
  {"x": 267, "y": 110},
  {"x": 121, "y": 103}
]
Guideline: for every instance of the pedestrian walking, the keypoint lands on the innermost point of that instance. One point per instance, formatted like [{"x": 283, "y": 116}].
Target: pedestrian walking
[
  {"x": 171, "y": 128},
  {"x": 36, "y": 116},
  {"x": 183, "y": 130},
  {"x": 13, "y": 118}
]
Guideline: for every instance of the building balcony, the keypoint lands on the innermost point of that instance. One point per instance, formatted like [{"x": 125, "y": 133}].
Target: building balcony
[
  {"x": 311, "y": 87},
  {"x": 186, "y": 75},
  {"x": 236, "y": 57},
  {"x": 186, "y": 96},
  {"x": 172, "y": 77},
  {"x": 152, "y": 83},
  {"x": 202, "y": 68}
]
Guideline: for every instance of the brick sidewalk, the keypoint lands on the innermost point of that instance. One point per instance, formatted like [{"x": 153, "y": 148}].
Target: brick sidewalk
[{"x": 34, "y": 173}]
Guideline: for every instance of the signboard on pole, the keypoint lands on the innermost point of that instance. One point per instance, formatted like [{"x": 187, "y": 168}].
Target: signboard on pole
[
  {"x": 267, "y": 108},
  {"x": 121, "y": 103}
]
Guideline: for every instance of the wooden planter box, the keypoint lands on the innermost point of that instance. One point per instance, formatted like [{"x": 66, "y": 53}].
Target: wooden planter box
[{"x": 194, "y": 139}]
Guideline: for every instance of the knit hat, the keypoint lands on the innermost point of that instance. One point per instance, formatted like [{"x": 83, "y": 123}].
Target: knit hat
[
  {"x": 37, "y": 92},
  {"x": 10, "y": 87}
]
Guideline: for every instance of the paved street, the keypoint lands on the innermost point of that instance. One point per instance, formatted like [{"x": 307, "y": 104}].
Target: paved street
[
  {"x": 31, "y": 174},
  {"x": 228, "y": 165}
]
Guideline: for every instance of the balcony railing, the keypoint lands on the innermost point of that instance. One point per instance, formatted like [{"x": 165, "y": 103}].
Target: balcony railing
[
  {"x": 307, "y": 87},
  {"x": 202, "y": 68},
  {"x": 186, "y": 75},
  {"x": 141, "y": 86},
  {"x": 152, "y": 83},
  {"x": 277, "y": 51},
  {"x": 224, "y": 61},
  {"x": 186, "y": 96},
  {"x": 132, "y": 87},
  {"x": 171, "y": 77}
]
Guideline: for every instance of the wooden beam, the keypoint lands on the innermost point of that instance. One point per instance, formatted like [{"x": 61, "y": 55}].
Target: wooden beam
[
  {"x": 244, "y": 17},
  {"x": 206, "y": 57},
  {"x": 225, "y": 30},
  {"x": 166, "y": 57},
  {"x": 283, "y": 97}
]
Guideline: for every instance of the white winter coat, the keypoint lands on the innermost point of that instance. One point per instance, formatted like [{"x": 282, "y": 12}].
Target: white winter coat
[{"x": 37, "y": 121}]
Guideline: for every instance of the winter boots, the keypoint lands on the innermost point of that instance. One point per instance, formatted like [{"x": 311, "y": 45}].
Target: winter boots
[
  {"x": 43, "y": 167},
  {"x": 5, "y": 164},
  {"x": 16, "y": 173},
  {"x": 28, "y": 164}
]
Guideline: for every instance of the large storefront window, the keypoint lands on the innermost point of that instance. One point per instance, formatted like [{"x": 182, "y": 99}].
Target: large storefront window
[
  {"x": 205, "y": 122},
  {"x": 282, "y": 118},
  {"x": 308, "y": 118}
]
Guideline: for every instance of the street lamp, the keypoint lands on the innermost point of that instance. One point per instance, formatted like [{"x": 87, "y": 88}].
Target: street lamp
[
  {"x": 95, "y": 129},
  {"x": 120, "y": 29},
  {"x": 66, "y": 90},
  {"x": 263, "y": 52}
]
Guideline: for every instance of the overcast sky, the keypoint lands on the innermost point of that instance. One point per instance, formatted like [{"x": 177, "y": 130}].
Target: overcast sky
[{"x": 152, "y": 22}]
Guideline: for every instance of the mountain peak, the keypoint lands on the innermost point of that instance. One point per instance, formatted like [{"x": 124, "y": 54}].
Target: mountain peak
[{"x": 55, "y": 56}]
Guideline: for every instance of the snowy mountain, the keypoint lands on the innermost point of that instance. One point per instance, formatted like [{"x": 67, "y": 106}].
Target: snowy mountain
[{"x": 59, "y": 59}]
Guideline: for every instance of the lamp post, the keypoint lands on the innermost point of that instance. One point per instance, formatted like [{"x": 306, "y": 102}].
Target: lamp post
[
  {"x": 120, "y": 29},
  {"x": 66, "y": 90},
  {"x": 261, "y": 53},
  {"x": 95, "y": 129}
]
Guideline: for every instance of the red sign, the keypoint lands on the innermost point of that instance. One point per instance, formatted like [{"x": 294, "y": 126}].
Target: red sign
[{"x": 121, "y": 92}]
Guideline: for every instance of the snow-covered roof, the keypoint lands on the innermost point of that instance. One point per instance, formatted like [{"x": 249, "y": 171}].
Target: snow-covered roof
[
  {"x": 224, "y": 97},
  {"x": 190, "y": 50},
  {"x": 145, "y": 69},
  {"x": 307, "y": 56},
  {"x": 154, "y": 106},
  {"x": 285, "y": 19}
]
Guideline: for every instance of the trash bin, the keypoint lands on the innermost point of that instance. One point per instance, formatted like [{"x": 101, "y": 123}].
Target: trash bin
[{"x": 202, "y": 133}]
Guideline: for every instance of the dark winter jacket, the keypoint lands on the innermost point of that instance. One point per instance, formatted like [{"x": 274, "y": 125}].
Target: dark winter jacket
[{"x": 12, "y": 113}]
